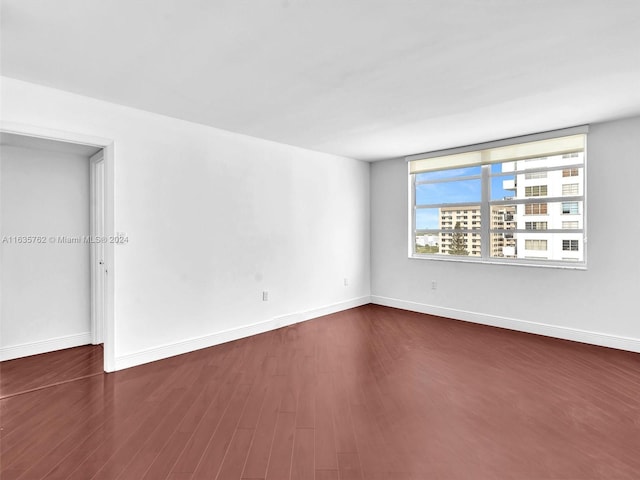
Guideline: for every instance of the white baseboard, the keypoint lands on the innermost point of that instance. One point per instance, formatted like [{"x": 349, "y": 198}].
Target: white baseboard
[
  {"x": 44, "y": 346},
  {"x": 190, "y": 345},
  {"x": 566, "y": 333}
]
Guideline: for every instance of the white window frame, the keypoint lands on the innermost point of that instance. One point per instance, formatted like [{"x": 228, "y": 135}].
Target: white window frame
[{"x": 486, "y": 204}]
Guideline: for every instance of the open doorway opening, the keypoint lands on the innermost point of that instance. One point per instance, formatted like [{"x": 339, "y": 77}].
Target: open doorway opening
[
  {"x": 97, "y": 246},
  {"x": 57, "y": 218}
]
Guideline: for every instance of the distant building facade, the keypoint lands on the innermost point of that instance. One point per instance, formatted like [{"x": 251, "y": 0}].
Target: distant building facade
[
  {"x": 468, "y": 218},
  {"x": 548, "y": 224}
]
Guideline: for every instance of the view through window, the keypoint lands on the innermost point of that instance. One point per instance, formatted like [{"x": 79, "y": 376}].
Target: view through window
[{"x": 519, "y": 203}]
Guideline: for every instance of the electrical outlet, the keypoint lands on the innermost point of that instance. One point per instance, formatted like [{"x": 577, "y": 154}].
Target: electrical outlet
[
  {"x": 265, "y": 296},
  {"x": 434, "y": 285},
  {"x": 346, "y": 282}
]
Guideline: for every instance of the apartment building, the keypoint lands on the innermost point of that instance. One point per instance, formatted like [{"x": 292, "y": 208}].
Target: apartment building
[
  {"x": 467, "y": 217},
  {"x": 464, "y": 217},
  {"x": 552, "y": 226}
]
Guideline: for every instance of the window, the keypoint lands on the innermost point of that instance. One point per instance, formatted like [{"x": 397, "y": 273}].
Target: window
[
  {"x": 535, "y": 244},
  {"x": 535, "y": 209},
  {"x": 570, "y": 245},
  {"x": 570, "y": 225},
  {"x": 570, "y": 208},
  {"x": 475, "y": 203},
  {"x": 535, "y": 191},
  {"x": 570, "y": 189},
  {"x": 535, "y": 175},
  {"x": 535, "y": 225}
]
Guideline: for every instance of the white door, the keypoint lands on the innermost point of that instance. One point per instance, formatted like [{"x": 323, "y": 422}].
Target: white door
[{"x": 98, "y": 269}]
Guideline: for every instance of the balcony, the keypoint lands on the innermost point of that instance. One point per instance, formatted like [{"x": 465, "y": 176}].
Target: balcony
[{"x": 509, "y": 184}]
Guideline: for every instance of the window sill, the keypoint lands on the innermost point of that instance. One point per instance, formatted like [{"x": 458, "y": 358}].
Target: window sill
[{"x": 562, "y": 266}]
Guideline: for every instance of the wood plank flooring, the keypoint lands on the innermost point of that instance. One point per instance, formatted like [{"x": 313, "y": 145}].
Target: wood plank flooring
[
  {"x": 40, "y": 371},
  {"x": 371, "y": 393}
]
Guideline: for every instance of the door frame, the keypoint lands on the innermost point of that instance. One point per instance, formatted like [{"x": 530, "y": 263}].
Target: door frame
[
  {"x": 107, "y": 145},
  {"x": 97, "y": 234}
]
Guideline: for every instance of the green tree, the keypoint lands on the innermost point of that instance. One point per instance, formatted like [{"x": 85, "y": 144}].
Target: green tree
[{"x": 458, "y": 242}]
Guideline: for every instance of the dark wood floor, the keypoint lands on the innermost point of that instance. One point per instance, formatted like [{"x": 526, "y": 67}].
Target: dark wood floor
[
  {"x": 369, "y": 393},
  {"x": 41, "y": 371}
]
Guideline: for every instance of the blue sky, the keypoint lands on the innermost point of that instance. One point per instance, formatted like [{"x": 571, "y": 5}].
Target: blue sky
[{"x": 461, "y": 191}]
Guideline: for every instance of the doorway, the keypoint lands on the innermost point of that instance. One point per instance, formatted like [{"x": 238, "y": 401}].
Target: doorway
[{"x": 95, "y": 284}]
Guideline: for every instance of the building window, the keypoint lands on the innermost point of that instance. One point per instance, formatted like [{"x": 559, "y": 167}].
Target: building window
[
  {"x": 570, "y": 245},
  {"x": 472, "y": 203},
  {"x": 535, "y": 191},
  {"x": 570, "y": 189},
  {"x": 535, "y": 209},
  {"x": 535, "y": 244},
  {"x": 535, "y": 225},
  {"x": 535, "y": 175},
  {"x": 570, "y": 208},
  {"x": 571, "y": 225}
]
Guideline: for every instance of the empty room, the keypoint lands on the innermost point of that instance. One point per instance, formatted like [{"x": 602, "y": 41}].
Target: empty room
[{"x": 329, "y": 240}]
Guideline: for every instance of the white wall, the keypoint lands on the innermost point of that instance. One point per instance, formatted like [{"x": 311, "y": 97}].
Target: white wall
[
  {"x": 45, "y": 286},
  {"x": 213, "y": 219},
  {"x": 598, "y": 305}
]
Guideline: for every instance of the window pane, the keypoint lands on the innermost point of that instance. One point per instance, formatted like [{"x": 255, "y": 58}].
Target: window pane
[
  {"x": 537, "y": 245},
  {"x": 515, "y": 180},
  {"x": 444, "y": 174},
  {"x": 503, "y": 187},
  {"x": 454, "y": 242},
  {"x": 554, "y": 161},
  {"x": 427, "y": 218},
  {"x": 460, "y": 243},
  {"x": 503, "y": 217},
  {"x": 464, "y": 217},
  {"x": 427, "y": 243},
  {"x": 460, "y": 191},
  {"x": 543, "y": 216}
]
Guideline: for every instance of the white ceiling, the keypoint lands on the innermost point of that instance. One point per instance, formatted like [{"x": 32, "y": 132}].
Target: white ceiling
[{"x": 367, "y": 79}]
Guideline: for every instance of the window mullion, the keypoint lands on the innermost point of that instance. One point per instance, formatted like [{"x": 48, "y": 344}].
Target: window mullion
[
  {"x": 485, "y": 212},
  {"x": 412, "y": 219}
]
